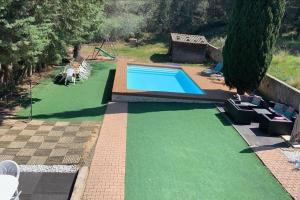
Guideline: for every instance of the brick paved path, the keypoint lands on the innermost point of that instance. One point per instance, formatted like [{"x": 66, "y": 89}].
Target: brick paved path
[
  {"x": 106, "y": 178},
  {"x": 49, "y": 143},
  {"x": 284, "y": 171}
]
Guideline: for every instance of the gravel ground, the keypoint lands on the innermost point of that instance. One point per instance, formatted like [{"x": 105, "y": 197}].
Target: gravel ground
[
  {"x": 49, "y": 168},
  {"x": 293, "y": 157}
]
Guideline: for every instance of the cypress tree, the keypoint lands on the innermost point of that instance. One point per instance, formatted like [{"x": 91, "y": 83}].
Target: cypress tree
[{"x": 252, "y": 33}]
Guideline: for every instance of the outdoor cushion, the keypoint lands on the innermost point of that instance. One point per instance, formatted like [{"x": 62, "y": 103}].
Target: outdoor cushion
[
  {"x": 215, "y": 70},
  {"x": 218, "y": 67},
  {"x": 279, "y": 118},
  {"x": 289, "y": 112},
  {"x": 278, "y": 108},
  {"x": 256, "y": 100}
]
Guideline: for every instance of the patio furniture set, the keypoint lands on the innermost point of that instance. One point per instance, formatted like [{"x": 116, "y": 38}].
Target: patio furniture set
[
  {"x": 73, "y": 72},
  {"x": 274, "y": 118}
]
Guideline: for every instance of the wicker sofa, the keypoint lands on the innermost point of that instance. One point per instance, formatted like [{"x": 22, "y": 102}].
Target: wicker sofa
[
  {"x": 277, "y": 123},
  {"x": 241, "y": 111}
]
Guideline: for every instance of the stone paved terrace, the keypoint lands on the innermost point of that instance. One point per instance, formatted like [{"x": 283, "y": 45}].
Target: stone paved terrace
[{"x": 47, "y": 143}]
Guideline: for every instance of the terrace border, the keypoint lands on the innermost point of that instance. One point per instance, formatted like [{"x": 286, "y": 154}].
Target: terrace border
[{"x": 214, "y": 92}]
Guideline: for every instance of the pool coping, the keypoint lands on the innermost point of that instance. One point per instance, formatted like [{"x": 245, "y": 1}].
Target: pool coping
[{"x": 213, "y": 92}]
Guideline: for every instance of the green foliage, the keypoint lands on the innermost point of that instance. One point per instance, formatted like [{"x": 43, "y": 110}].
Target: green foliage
[
  {"x": 248, "y": 50},
  {"x": 286, "y": 67}
]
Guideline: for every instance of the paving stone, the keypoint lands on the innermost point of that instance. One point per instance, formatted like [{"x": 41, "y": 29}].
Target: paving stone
[
  {"x": 75, "y": 124},
  {"x": 51, "y": 139},
  {"x": 13, "y": 132},
  {"x": 47, "y": 145},
  {"x": 1, "y": 150},
  {"x": 88, "y": 128},
  {"x": 22, "y": 160},
  {"x": 31, "y": 145},
  {"x": 10, "y": 121},
  {"x": 71, "y": 159},
  {"x": 4, "y": 144},
  {"x": 70, "y": 134},
  {"x": 75, "y": 151},
  {"x": 58, "y": 128},
  {"x": 22, "y": 138},
  {"x": 83, "y": 133},
  {"x": 6, "y": 157},
  {"x": 62, "y": 123},
  {"x": 36, "y": 122},
  {"x": 72, "y": 128},
  {"x": 66, "y": 140},
  {"x": 63, "y": 145},
  {"x": 18, "y": 127},
  {"x": 37, "y": 160},
  {"x": 77, "y": 146},
  {"x": 49, "y": 123},
  {"x": 42, "y": 152},
  {"x": 3, "y": 131},
  {"x": 80, "y": 139},
  {"x": 9, "y": 138},
  {"x": 26, "y": 152},
  {"x": 11, "y": 152},
  {"x": 54, "y": 160},
  {"x": 17, "y": 145},
  {"x": 58, "y": 152},
  {"x": 45, "y": 128},
  {"x": 5, "y": 126},
  {"x": 42, "y": 133},
  {"x": 36, "y": 139},
  {"x": 32, "y": 127},
  {"x": 56, "y": 133},
  {"x": 27, "y": 132}
]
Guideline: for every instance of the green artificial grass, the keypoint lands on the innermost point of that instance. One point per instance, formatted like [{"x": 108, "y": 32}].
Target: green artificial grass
[
  {"x": 85, "y": 101},
  {"x": 189, "y": 151}
]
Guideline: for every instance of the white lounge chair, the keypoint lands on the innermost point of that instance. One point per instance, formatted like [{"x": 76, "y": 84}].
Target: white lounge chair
[{"x": 9, "y": 167}]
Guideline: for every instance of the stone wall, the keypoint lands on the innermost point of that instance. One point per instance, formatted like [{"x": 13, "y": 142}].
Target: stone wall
[
  {"x": 277, "y": 90},
  {"x": 214, "y": 53},
  {"x": 188, "y": 53}
]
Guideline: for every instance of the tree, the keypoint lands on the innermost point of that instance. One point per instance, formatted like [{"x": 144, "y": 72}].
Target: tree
[{"x": 252, "y": 33}]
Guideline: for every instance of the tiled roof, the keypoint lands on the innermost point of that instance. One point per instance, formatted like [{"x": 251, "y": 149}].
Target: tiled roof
[{"x": 184, "y": 38}]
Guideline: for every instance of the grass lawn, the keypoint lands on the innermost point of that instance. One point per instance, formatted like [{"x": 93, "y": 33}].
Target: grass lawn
[
  {"x": 189, "y": 151},
  {"x": 84, "y": 101},
  {"x": 286, "y": 67}
]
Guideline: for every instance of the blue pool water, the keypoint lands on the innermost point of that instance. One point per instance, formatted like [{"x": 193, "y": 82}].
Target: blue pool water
[{"x": 160, "y": 79}]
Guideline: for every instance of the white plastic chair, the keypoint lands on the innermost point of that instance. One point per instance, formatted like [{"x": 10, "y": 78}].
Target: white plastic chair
[
  {"x": 70, "y": 74},
  {"x": 9, "y": 167}
]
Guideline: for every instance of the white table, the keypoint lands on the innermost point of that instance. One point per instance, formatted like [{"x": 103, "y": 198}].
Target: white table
[{"x": 8, "y": 186}]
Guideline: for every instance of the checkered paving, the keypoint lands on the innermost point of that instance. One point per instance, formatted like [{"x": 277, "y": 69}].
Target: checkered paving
[{"x": 45, "y": 143}]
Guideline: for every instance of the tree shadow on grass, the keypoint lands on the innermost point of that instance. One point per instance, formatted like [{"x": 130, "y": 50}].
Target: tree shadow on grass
[
  {"x": 87, "y": 112},
  {"x": 160, "y": 58},
  {"x": 108, "y": 87},
  {"x": 144, "y": 107}
]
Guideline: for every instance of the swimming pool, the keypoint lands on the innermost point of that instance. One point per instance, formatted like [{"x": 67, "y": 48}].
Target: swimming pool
[{"x": 160, "y": 79}]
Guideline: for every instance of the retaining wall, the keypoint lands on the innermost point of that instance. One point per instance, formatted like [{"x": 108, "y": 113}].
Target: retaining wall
[{"x": 277, "y": 90}]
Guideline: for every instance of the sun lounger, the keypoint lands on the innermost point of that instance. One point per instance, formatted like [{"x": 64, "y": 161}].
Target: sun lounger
[{"x": 216, "y": 70}]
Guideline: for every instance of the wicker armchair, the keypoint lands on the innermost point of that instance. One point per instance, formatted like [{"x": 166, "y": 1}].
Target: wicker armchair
[
  {"x": 241, "y": 111},
  {"x": 274, "y": 124}
]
